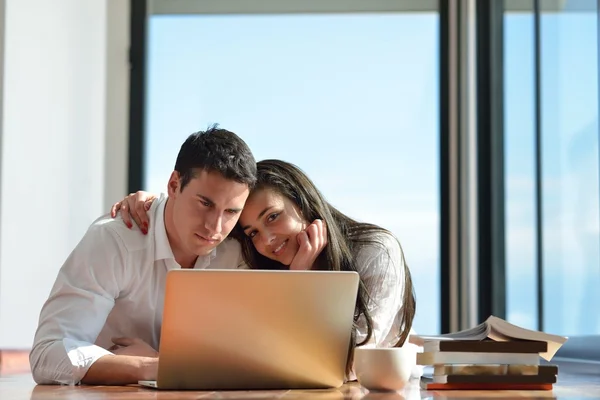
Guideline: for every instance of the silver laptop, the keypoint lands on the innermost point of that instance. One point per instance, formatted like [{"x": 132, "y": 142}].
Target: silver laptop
[{"x": 250, "y": 329}]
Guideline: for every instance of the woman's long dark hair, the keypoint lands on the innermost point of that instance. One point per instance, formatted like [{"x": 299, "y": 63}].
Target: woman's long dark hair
[{"x": 345, "y": 238}]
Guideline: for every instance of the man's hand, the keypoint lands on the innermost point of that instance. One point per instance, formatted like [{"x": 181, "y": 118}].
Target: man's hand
[
  {"x": 132, "y": 347},
  {"x": 121, "y": 370},
  {"x": 311, "y": 242}
]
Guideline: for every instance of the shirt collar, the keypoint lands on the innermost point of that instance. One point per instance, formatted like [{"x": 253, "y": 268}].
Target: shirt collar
[
  {"x": 204, "y": 261},
  {"x": 162, "y": 249}
]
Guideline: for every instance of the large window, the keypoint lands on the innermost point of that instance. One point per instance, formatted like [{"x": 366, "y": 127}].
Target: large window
[
  {"x": 351, "y": 98},
  {"x": 566, "y": 95},
  {"x": 519, "y": 134}
]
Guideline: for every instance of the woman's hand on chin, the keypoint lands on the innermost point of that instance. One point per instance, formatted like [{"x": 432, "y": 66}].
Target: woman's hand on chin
[{"x": 311, "y": 241}]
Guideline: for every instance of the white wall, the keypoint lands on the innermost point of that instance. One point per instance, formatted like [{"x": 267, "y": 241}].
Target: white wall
[{"x": 64, "y": 142}]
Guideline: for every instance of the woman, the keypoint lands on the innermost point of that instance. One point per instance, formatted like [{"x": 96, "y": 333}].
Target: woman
[{"x": 287, "y": 224}]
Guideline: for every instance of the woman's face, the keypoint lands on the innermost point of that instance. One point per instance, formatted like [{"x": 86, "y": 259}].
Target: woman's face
[{"x": 272, "y": 221}]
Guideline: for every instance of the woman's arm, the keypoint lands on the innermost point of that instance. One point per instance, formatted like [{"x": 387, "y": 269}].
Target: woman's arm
[{"x": 381, "y": 267}]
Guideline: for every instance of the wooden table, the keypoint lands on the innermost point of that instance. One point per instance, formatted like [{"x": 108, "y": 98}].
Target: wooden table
[{"x": 576, "y": 380}]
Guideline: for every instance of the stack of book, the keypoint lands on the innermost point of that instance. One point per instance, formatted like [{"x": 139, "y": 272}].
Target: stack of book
[{"x": 495, "y": 355}]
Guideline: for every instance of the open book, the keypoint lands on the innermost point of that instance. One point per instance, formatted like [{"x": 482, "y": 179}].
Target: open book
[{"x": 497, "y": 329}]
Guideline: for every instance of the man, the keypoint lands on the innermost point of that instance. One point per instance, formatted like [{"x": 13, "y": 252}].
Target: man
[{"x": 102, "y": 321}]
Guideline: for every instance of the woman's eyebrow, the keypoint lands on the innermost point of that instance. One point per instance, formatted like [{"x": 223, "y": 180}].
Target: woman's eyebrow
[{"x": 259, "y": 217}]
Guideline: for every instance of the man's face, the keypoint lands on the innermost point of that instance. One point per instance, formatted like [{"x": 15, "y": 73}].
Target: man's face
[{"x": 206, "y": 210}]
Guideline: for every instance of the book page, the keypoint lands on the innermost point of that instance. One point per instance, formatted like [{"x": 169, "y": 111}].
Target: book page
[
  {"x": 479, "y": 332},
  {"x": 501, "y": 328}
]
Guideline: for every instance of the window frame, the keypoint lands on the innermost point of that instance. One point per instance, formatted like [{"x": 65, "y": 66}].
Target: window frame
[{"x": 489, "y": 287}]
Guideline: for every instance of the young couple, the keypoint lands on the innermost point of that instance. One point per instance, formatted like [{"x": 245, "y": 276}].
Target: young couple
[{"x": 101, "y": 323}]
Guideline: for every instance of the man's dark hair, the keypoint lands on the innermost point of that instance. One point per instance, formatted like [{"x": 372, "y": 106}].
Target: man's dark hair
[{"x": 216, "y": 150}]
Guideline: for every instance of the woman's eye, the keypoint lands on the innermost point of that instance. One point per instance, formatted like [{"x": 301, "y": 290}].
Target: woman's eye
[
  {"x": 252, "y": 234},
  {"x": 272, "y": 217}
]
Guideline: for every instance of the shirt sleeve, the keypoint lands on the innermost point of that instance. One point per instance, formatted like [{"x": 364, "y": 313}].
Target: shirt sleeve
[
  {"x": 381, "y": 267},
  {"x": 81, "y": 299}
]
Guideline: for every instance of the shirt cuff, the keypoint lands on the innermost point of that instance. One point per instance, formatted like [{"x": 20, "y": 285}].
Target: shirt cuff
[{"x": 82, "y": 355}]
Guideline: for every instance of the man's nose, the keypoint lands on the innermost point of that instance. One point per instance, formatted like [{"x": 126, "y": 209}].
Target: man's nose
[{"x": 214, "y": 223}]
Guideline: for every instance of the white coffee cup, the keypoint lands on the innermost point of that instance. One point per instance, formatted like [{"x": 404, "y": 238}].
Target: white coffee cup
[{"x": 384, "y": 368}]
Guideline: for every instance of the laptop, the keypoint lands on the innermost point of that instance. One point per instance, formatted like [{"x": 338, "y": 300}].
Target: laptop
[{"x": 255, "y": 329}]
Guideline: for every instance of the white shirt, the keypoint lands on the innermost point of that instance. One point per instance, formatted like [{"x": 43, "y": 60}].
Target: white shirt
[
  {"x": 112, "y": 285},
  {"x": 381, "y": 267}
]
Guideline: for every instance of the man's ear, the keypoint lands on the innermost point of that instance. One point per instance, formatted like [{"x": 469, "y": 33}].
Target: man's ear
[{"x": 174, "y": 184}]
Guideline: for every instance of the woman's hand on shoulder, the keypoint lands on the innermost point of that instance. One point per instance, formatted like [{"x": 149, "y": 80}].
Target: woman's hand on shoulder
[
  {"x": 311, "y": 241},
  {"x": 135, "y": 206}
]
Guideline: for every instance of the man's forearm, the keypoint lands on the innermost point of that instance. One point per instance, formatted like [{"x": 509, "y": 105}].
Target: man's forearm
[{"x": 121, "y": 370}]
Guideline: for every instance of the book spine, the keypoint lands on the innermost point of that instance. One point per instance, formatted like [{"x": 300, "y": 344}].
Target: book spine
[
  {"x": 486, "y": 347},
  {"x": 495, "y": 369},
  {"x": 485, "y": 386},
  {"x": 433, "y": 358},
  {"x": 529, "y": 379}
]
